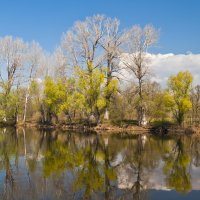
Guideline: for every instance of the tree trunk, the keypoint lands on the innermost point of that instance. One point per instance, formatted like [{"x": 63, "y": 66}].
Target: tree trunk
[
  {"x": 141, "y": 116},
  {"x": 141, "y": 110},
  {"x": 16, "y": 116},
  {"x": 43, "y": 118},
  {"x": 25, "y": 108},
  {"x": 109, "y": 78},
  {"x": 106, "y": 115},
  {"x": 180, "y": 118}
]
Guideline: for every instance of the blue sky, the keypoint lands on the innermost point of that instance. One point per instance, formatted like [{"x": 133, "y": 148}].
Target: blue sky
[{"x": 46, "y": 20}]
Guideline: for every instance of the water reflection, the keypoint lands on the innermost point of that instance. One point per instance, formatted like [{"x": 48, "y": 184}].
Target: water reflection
[
  {"x": 176, "y": 166},
  {"x": 54, "y": 165}
]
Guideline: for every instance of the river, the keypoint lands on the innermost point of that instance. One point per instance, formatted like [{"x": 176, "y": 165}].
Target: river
[{"x": 51, "y": 165}]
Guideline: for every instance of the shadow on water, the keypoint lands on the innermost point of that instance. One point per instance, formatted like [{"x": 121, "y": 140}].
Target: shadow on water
[{"x": 56, "y": 165}]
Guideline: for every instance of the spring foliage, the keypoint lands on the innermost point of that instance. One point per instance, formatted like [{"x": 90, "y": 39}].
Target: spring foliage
[{"x": 177, "y": 98}]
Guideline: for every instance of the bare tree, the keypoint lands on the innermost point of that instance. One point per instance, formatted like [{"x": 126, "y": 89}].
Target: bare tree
[
  {"x": 33, "y": 60},
  {"x": 12, "y": 53},
  {"x": 111, "y": 43},
  {"x": 60, "y": 68},
  {"x": 81, "y": 43},
  {"x": 81, "y": 46},
  {"x": 136, "y": 60},
  {"x": 93, "y": 43},
  {"x": 195, "y": 99},
  {"x": 12, "y": 59},
  {"x": 45, "y": 69}
]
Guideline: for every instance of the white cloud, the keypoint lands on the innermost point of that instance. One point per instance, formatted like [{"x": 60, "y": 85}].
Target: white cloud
[{"x": 164, "y": 65}]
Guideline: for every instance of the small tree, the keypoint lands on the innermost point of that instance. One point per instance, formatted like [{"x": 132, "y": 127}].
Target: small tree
[
  {"x": 177, "y": 97},
  {"x": 154, "y": 99},
  {"x": 51, "y": 99},
  {"x": 91, "y": 90}
]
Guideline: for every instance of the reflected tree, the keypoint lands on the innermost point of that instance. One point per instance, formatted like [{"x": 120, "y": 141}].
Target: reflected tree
[
  {"x": 138, "y": 189},
  {"x": 176, "y": 168},
  {"x": 8, "y": 154},
  {"x": 96, "y": 173},
  {"x": 136, "y": 163},
  {"x": 195, "y": 150},
  {"x": 59, "y": 158}
]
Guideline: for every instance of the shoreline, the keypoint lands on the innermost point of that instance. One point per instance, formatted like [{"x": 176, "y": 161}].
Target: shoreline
[
  {"x": 160, "y": 130},
  {"x": 108, "y": 128}
]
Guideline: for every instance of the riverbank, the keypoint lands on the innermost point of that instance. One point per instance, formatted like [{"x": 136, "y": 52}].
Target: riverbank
[
  {"x": 81, "y": 127},
  {"x": 110, "y": 128},
  {"x": 127, "y": 126}
]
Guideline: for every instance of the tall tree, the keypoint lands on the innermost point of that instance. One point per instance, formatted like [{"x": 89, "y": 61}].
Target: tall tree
[
  {"x": 136, "y": 60},
  {"x": 82, "y": 45},
  {"x": 111, "y": 42},
  {"x": 195, "y": 99},
  {"x": 33, "y": 59},
  {"x": 12, "y": 54}
]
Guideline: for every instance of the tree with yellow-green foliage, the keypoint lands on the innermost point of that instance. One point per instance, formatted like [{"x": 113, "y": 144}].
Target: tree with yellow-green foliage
[
  {"x": 177, "y": 96},
  {"x": 93, "y": 90},
  {"x": 59, "y": 96},
  {"x": 85, "y": 95}
]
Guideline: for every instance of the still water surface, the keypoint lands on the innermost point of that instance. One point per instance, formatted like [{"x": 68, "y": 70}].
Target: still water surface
[{"x": 52, "y": 165}]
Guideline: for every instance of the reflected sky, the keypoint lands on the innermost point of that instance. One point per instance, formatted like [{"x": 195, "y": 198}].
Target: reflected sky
[{"x": 65, "y": 165}]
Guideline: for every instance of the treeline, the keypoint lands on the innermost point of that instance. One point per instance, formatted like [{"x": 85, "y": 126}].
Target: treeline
[{"x": 86, "y": 79}]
